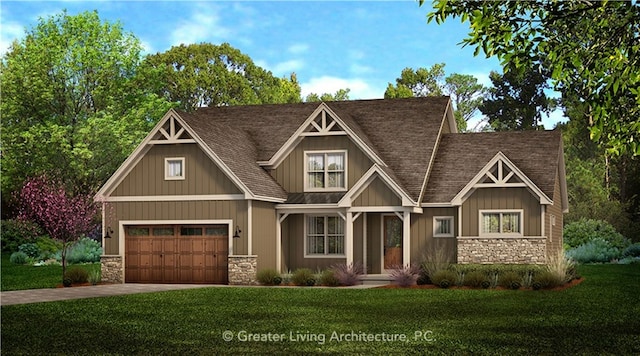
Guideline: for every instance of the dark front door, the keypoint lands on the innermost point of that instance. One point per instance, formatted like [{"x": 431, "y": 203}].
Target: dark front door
[{"x": 392, "y": 241}]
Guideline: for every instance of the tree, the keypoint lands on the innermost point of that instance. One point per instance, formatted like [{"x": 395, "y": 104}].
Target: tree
[
  {"x": 63, "y": 216},
  {"x": 589, "y": 48},
  {"x": 516, "y": 101},
  {"x": 205, "y": 74},
  {"x": 73, "y": 104},
  {"x": 340, "y": 95},
  {"x": 464, "y": 90}
]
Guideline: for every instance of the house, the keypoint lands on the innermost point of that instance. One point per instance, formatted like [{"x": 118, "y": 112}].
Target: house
[{"x": 215, "y": 195}]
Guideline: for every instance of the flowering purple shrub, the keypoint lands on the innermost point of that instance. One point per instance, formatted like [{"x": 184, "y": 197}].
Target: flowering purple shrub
[
  {"x": 348, "y": 275},
  {"x": 405, "y": 276}
]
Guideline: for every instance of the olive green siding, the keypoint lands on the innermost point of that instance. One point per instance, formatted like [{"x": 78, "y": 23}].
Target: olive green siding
[
  {"x": 202, "y": 176},
  {"x": 290, "y": 173},
  {"x": 554, "y": 233},
  {"x": 377, "y": 194},
  {"x": 422, "y": 241},
  {"x": 501, "y": 198},
  {"x": 263, "y": 217},
  {"x": 235, "y": 210}
]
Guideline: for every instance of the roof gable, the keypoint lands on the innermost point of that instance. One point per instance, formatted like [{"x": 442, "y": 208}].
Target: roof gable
[{"x": 374, "y": 173}]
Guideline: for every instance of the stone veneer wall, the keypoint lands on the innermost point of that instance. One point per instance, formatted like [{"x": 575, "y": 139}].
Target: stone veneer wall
[
  {"x": 243, "y": 270},
  {"x": 112, "y": 269},
  {"x": 530, "y": 250}
]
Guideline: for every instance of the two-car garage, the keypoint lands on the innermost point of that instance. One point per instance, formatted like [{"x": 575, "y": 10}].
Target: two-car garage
[{"x": 176, "y": 253}]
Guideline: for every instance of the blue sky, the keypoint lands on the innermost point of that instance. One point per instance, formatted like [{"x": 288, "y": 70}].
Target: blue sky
[{"x": 361, "y": 45}]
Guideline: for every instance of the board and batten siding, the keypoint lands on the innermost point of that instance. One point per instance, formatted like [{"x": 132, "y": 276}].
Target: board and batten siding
[
  {"x": 235, "y": 210},
  {"x": 501, "y": 199},
  {"x": 377, "y": 194},
  {"x": 374, "y": 243},
  {"x": 422, "y": 241},
  {"x": 554, "y": 232},
  {"x": 202, "y": 176},
  {"x": 290, "y": 173},
  {"x": 263, "y": 216}
]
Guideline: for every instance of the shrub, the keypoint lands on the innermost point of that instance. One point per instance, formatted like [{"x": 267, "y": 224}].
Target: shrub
[
  {"x": 19, "y": 258},
  {"x": 30, "y": 249},
  {"x": 476, "y": 279},
  {"x": 95, "y": 277},
  {"x": 563, "y": 267},
  {"x": 84, "y": 250},
  {"x": 348, "y": 275},
  {"x": 18, "y": 232},
  {"x": 67, "y": 282},
  {"x": 444, "y": 278},
  {"x": 510, "y": 279},
  {"x": 269, "y": 277},
  {"x": 583, "y": 231},
  {"x": 547, "y": 279},
  {"x": 434, "y": 261},
  {"x": 596, "y": 250},
  {"x": 629, "y": 261},
  {"x": 632, "y": 250},
  {"x": 77, "y": 275},
  {"x": 303, "y": 277},
  {"x": 405, "y": 276},
  {"x": 48, "y": 247},
  {"x": 328, "y": 278}
]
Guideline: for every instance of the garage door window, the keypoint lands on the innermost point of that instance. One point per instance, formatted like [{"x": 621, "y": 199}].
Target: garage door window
[
  {"x": 138, "y": 231},
  {"x": 216, "y": 231},
  {"x": 163, "y": 231},
  {"x": 191, "y": 231}
]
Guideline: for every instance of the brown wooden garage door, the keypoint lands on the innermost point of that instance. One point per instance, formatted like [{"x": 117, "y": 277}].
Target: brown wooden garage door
[{"x": 176, "y": 254}]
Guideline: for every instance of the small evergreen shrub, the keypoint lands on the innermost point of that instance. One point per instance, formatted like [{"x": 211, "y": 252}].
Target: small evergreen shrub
[
  {"x": 328, "y": 278},
  {"x": 348, "y": 275},
  {"x": 269, "y": 277},
  {"x": 629, "y": 261},
  {"x": 77, "y": 275},
  {"x": 47, "y": 247},
  {"x": 303, "y": 277},
  {"x": 510, "y": 279},
  {"x": 84, "y": 250},
  {"x": 444, "y": 278},
  {"x": 632, "y": 250},
  {"x": 423, "y": 278},
  {"x": 548, "y": 279},
  {"x": 19, "y": 258},
  {"x": 476, "y": 279},
  {"x": 30, "y": 249},
  {"x": 594, "y": 251},
  {"x": 17, "y": 232},
  {"x": 404, "y": 276},
  {"x": 583, "y": 231}
]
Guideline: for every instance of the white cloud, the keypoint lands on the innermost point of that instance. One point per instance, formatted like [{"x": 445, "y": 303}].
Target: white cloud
[
  {"x": 286, "y": 67},
  {"x": 298, "y": 48},
  {"x": 10, "y": 31},
  {"x": 203, "y": 25},
  {"x": 360, "y": 89}
]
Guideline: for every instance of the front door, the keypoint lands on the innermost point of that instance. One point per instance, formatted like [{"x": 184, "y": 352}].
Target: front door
[{"x": 392, "y": 231}]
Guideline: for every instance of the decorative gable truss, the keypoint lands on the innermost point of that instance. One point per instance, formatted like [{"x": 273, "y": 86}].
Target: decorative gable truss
[
  {"x": 171, "y": 132},
  {"x": 500, "y": 172},
  {"x": 323, "y": 125}
]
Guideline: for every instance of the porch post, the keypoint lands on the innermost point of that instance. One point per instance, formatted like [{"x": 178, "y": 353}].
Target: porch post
[
  {"x": 406, "y": 238},
  {"x": 348, "y": 232},
  {"x": 278, "y": 243}
]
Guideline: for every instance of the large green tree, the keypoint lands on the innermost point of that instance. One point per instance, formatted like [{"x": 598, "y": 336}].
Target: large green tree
[
  {"x": 589, "y": 48},
  {"x": 340, "y": 95},
  {"x": 464, "y": 90},
  {"x": 516, "y": 101},
  {"x": 213, "y": 75},
  {"x": 73, "y": 104}
]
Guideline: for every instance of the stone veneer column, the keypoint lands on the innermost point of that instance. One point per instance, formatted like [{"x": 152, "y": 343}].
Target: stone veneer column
[
  {"x": 528, "y": 250},
  {"x": 243, "y": 270},
  {"x": 111, "y": 269}
]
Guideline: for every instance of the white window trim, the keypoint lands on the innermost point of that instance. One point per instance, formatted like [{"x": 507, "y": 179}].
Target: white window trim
[
  {"x": 325, "y": 255},
  {"x": 450, "y": 218},
  {"x": 325, "y": 189},
  {"x": 500, "y": 211},
  {"x": 166, "y": 168}
]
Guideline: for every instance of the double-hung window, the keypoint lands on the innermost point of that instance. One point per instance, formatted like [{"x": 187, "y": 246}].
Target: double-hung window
[
  {"x": 325, "y": 171},
  {"x": 174, "y": 168},
  {"x": 324, "y": 236},
  {"x": 494, "y": 222}
]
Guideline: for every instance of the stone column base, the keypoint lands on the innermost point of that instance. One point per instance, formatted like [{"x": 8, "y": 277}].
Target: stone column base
[
  {"x": 242, "y": 270},
  {"x": 112, "y": 269}
]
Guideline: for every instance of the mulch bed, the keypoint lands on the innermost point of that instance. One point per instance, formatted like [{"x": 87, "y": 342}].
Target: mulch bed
[{"x": 573, "y": 283}]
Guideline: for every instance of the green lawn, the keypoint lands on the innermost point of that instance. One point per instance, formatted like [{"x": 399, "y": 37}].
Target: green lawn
[
  {"x": 599, "y": 316},
  {"x": 31, "y": 277}
]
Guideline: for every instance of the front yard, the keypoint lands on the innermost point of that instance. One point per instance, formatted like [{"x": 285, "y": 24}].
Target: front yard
[{"x": 599, "y": 316}]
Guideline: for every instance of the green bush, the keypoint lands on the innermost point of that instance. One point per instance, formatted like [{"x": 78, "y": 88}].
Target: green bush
[
  {"x": 48, "y": 247},
  {"x": 30, "y": 249},
  {"x": 547, "y": 279},
  {"x": 84, "y": 250},
  {"x": 303, "y": 277},
  {"x": 67, "y": 282},
  {"x": 476, "y": 279},
  {"x": 632, "y": 250},
  {"x": 17, "y": 232},
  {"x": 19, "y": 258},
  {"x": 445, "y": 278},
  {"x": 269, "y": 277},
  {"x": 95, "y": 277},
  {"x": 328, "y": 278},
  {"x": 583, "y": 231},
  {"x": 77, "y": 275},
  {"x": 510, "y": 279},
  {"x": 594, "y": 251}
]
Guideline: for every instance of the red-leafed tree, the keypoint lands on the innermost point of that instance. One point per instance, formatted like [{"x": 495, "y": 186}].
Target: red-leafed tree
[{"x": 64, "y": 216}]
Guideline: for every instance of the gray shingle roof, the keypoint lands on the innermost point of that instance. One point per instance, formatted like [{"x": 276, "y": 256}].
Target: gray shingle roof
[{"x": 461, "y": 156}]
